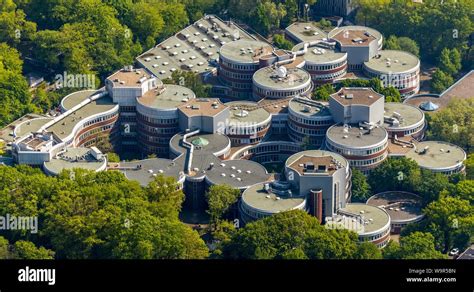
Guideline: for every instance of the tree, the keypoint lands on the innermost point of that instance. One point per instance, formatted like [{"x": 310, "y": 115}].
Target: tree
[
  {"x": 220, "y": 198},
  {"x": 16, "y": 98},
  {"x": 402, "y": 44},
  {"x": 113, "y": 157},
  {"x": 465, "y": 190},
  {"x": 450, "y": 219},
  {"x": 450, "y": 61},
  {"x": 469, "y": 166},
  {"x": 417, "y": 245},
  {"x": 23, "y": 250},
  {"x": 323, "y": 92},
  {"x": 282, "y": 43},
  {"x": 89, "y": 215},
  {"x": 368, "y": 251},
  {"x": 166, "y": 196},
  {"x": 431, "y": 185},
  {"x": 433, "y": 25},
  {"x": 454, "y": 124},
  {"x": 360, "y": 188},
  {"x": 290, "y": 235},
  {"x": 28, "y": 251},
  {"x": 15, "y": 29},
  {"x": 395, "y": 174},
  {"x": 4, "y": 252},
  {"x": 191, "y": 81},
  {"x": 146, "y": 22}
]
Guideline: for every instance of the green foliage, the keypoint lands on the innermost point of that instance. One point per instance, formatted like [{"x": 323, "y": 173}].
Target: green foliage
[
  {"x": 402, "y": 44},
  {"x": 451, "y": 221},
  {"x": 433, "y": 25},
  {"x": 450, "y": 61},
  {"x": 440, "y": 81},
  {"x": 16, "y": 98},
  {"x": 469, "y": 166},
  {"x": 454, "y": 124},
  {"x": 360, "y": 188},
  {"x": 465, "y": 190},
  {"x": 391, "y": 93},
  {"x": 15, "y": 29},
  {"x": 293, "y": 235},
  {"x": 165, "y": 196},
  {"x": 28, "y": 251},
  {"x": 88, "y": 215},
  {"x": 113, "y": 157},
  {"x": 417, "y": 245},
  {"x": 220, "y": 198},
  {"x": 395, "y": 174},
  {"x": 282, "y": 43},
  {"x": 323, "y": 92},
  {"x": 23, "y": 250},
  {"x": 325, "y": 24},
  {"x": 368, "y": 251},
  {"x": 191, "y": 81}
]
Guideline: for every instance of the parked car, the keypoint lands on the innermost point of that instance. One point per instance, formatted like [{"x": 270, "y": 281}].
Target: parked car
[{"x": 454, "y": 252}]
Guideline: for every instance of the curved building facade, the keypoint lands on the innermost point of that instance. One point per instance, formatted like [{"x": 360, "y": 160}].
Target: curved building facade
[
  {"x": 322, "y": 61},
  {"x": 308, "y": 121},
  {"x": 157, "y": 117},
  {"x": 364, "y": 148},
  {"x": 247, "y": 123},
  {"x": 238, "y": 61},
  {"x": 281, "y": 82},
  {"x": 395, "y": 68}
]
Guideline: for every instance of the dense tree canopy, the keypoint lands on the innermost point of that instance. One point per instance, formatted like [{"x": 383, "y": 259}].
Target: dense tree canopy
[
  {"x": 84, "y": 215},
  {"x": 433, "y": 25},
  {"x": 417, "y": 245},
  {"x": 294, "y": 235},
  {"x": 220, "y": 198},
  {"x": 454, "y": 124},
  {"x": 360, "y": 188}
]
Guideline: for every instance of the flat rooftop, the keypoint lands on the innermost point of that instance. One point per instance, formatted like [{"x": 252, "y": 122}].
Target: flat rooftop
[
  {"x": 418, "y": 100},
  {"x": 309, "y": 108},
  {"x": 410, "y": 115},
  {"x": 392, "y": 61},
  {"x": 439, "y": 155},
  {"x": 374, "y": 218},
  {"x": 238, "y": 173},
  {"x": 202, "y": 107},
  {"x": 246, "y": 112},
  {"x": 306, "y": 31},
  {"x": 64, "y": 127},
  {"x": 129, "y": 78},
  {"x": 401, "y": 206},
  {"x": 74, "y": 158},
  {"x": 245, "y": 50},
  {"x": 356, "y": 95},
  {"x": 463, "y": 88},
  {"x": 317, "y": 157},
  {"x": 144, "y": 171},
  {"x": 31, "y": 126},
  {"x": 75, "y": 98},
  {"x": 6, "y": 133},
  {"x": 193, "y": 49},
  {"x": 268, "y": 77},
  {"x": 275, "y": 106},
  {"x": 351, "y": 137},
  {"x": 257, "y": 198},
  {"x": 168, "y": 97},
  {"x": 354, "y": 35},
  {"x": 319, "y": 54}
]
